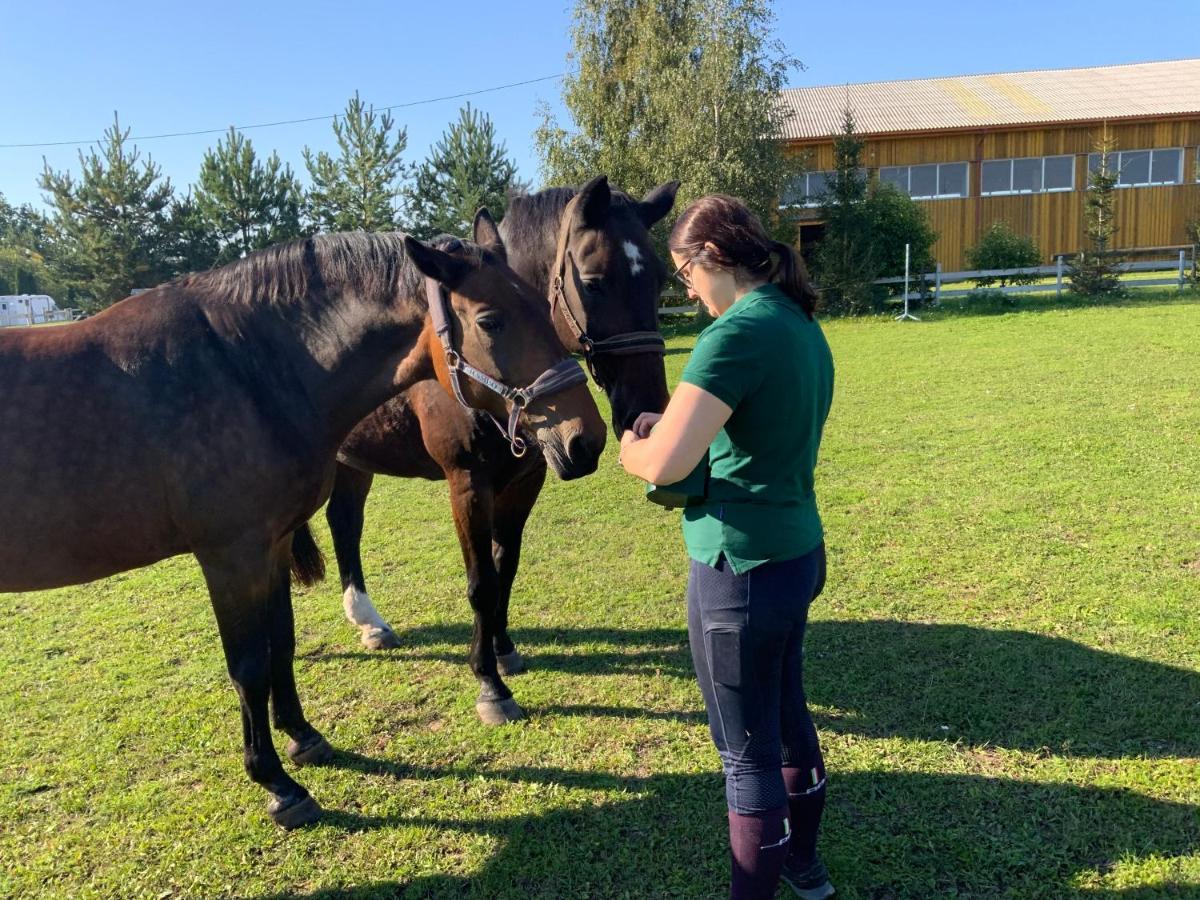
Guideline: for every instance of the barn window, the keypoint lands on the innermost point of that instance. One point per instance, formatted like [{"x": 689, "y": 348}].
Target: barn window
[
  {"x": 928, "y": 182},
  {"x": 809, "y": 189},
  {"x": 1138, "y": 168},
  {"x": 1058, "y": 173},
  {"x": 817, "y": 182},
  {"x": 897, "y": 176},
  {"x": 1166, "y": 167},
  {"x": 1029, "y": 175},
  {"x": 952, "y": 180}
]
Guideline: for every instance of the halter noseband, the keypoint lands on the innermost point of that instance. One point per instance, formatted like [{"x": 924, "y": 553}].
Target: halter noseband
[
  {"x": 629, "y": 343},
  {"x": 559, "y": 377}
]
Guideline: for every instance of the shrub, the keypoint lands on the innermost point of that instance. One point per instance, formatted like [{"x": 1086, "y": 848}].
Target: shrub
[{"x": 1003, "y": 248}]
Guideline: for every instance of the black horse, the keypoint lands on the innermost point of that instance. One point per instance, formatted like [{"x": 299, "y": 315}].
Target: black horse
[
  {"x": 205, "y": 417},
  {"x": 588, "y": 251}
]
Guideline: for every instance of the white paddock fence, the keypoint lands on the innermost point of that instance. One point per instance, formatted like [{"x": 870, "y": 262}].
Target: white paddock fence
[{"x": 1180, "y": 267}]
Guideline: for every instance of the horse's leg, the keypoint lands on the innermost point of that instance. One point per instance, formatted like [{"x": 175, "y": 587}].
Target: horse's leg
[
  {"x": 513, "y": 506},
  {"x": 307, "y": 747},
  {"x": 241, "y": 579},
  {"x": 472, "y": 501},
  {"x": 345, "y": 517}
]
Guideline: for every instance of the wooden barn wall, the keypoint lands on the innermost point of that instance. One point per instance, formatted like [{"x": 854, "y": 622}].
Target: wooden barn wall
[{"x": 1147, "y": 216}]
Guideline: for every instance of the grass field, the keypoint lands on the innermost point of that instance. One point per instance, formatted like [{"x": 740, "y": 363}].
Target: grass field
[{"x": 1005, "y": 666}]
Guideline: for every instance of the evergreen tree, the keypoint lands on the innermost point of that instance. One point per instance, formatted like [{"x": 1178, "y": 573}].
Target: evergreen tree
[
  {"x": 847, "y": 259},
  {"x": 867, "y": 225},
  {"x": 1094, "y": 271},
  {"x": 194, "y": 245},
  {"x": 109, "y": 227},
  {"x": 247, "y": 203},
  {"x": 465, "y": 170},
  {"x": 358, "y": 189},
  {"x": 675, "y": 89}
]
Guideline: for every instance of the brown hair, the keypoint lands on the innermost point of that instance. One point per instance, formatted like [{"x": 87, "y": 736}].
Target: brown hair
[{"x": 740, "y": 244}]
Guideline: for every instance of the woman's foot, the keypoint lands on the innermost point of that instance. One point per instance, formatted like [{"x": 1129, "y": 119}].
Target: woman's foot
[{"x": 810, "y": 882}]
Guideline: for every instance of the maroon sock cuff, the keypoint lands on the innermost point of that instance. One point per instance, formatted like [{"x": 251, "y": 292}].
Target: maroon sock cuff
[{"x": 799, "y": 782}]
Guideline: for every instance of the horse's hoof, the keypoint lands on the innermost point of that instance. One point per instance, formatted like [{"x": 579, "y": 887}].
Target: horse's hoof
[
  {"x": 313, "y": 752},
  {"x": 380, "y": 639},
  {"x": 512, "y": 663},
  {"x": 499, "y": 712},
  {"x": 295, "y": 813}
]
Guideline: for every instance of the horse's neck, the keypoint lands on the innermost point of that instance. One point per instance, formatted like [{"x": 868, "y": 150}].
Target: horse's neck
[{"x": 358, "y": 356}]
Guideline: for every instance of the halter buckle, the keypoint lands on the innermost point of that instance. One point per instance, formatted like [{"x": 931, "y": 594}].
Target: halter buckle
[
  {"x": 518, "y": 446},
  {"x": 453, "y": 360}
]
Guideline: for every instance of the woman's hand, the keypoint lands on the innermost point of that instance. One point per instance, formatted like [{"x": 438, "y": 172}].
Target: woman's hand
[
  {"x": 643, "y": 423},
  {"x": 691, "y": 421},
  {"x": 628, "y": 439}
]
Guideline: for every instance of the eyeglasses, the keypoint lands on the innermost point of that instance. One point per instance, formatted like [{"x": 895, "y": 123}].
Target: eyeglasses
[{"x": 681, "y": 276}]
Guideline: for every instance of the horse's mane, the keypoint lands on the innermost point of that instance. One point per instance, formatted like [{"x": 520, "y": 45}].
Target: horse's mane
[
  {"x": 373, "y": 265},
  {"x": 530, "y": 218}
]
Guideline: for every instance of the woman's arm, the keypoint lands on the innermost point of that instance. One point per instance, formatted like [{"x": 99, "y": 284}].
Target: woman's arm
[{"x": 691, "y": 422}]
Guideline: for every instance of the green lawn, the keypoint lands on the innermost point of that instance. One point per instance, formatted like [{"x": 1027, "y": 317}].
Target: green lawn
[{"x": 1005, "y": 666}]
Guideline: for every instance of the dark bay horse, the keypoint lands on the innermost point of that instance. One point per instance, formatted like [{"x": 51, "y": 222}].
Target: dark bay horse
[
  {"x": 588, "y": 251},
  {"x": 205, "y": 417}
]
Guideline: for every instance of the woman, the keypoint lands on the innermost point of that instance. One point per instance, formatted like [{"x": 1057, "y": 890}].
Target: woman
[{"x": 754, "y": 395}]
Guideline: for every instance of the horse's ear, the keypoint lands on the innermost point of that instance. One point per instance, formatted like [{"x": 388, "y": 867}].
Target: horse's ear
[
  {"x": 435, "y": 264},
  {"x": 595, "y": 198},
  {"x": 487, "y": 235},
  {"x": 657, "y": 203}
]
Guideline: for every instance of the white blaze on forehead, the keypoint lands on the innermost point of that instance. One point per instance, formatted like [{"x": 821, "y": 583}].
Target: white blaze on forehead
[{"x": 635, "y": 257}]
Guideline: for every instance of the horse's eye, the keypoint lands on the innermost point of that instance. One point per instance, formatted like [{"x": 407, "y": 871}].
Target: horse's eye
[
  {"x": 593, "y": 285},
  {"x": 490, "y": 323}
]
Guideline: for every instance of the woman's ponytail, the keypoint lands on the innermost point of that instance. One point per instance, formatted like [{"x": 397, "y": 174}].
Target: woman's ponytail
[{"x": 792, "y": 277}]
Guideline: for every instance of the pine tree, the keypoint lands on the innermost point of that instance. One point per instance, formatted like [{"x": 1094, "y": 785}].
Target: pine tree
[
  {"x": 359, "y": 188},
  {"x": 846, "y": 261},
  {"x": 110, "y": 227},
  {"x": 1094, "y": 271},
  {"x": 248, "y": 203},
  {"x": 194, "y": 245},
  {"x": 675, "y": 89},
  {"x": 466, "y": 169}
]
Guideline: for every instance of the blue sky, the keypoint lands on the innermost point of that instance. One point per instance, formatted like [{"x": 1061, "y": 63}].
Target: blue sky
[{"x": 169, "y": 67}]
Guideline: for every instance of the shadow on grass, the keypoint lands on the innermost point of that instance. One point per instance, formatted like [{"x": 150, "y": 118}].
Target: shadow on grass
[
  {"x": 886, "y": 835},
  {"x": 581, "y": 651},
  {"x": 1003, "y": 689}
]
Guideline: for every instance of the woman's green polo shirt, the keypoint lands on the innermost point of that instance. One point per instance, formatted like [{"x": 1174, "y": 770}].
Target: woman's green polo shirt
[{"x": 770, "y": 364}]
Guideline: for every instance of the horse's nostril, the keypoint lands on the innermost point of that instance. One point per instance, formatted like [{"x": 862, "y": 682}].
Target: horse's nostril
[{"x": 579, "y": 448}]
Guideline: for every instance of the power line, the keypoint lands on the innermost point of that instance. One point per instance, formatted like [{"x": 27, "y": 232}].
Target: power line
[{"x": 175, "y": 134}]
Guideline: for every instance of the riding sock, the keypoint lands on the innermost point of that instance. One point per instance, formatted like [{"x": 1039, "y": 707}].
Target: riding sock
[
  {"x": 806, "y": 802},
  {"x": 758, "y": 846}
]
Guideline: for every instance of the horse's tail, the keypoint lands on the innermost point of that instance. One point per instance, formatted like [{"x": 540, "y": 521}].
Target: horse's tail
[{"x": 308, "y": 563}]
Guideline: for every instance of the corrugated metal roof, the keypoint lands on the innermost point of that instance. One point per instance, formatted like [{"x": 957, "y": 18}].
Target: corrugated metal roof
[{"x": 1013, "y": 98}]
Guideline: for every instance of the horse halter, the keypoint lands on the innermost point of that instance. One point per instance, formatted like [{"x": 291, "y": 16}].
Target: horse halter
[
  {"x": 559, "y": 377},
  {"x": 628, "y": 343}
]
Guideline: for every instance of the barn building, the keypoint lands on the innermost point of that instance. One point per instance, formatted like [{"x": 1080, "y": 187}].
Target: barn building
[{"x": 1015, "y": 147}]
